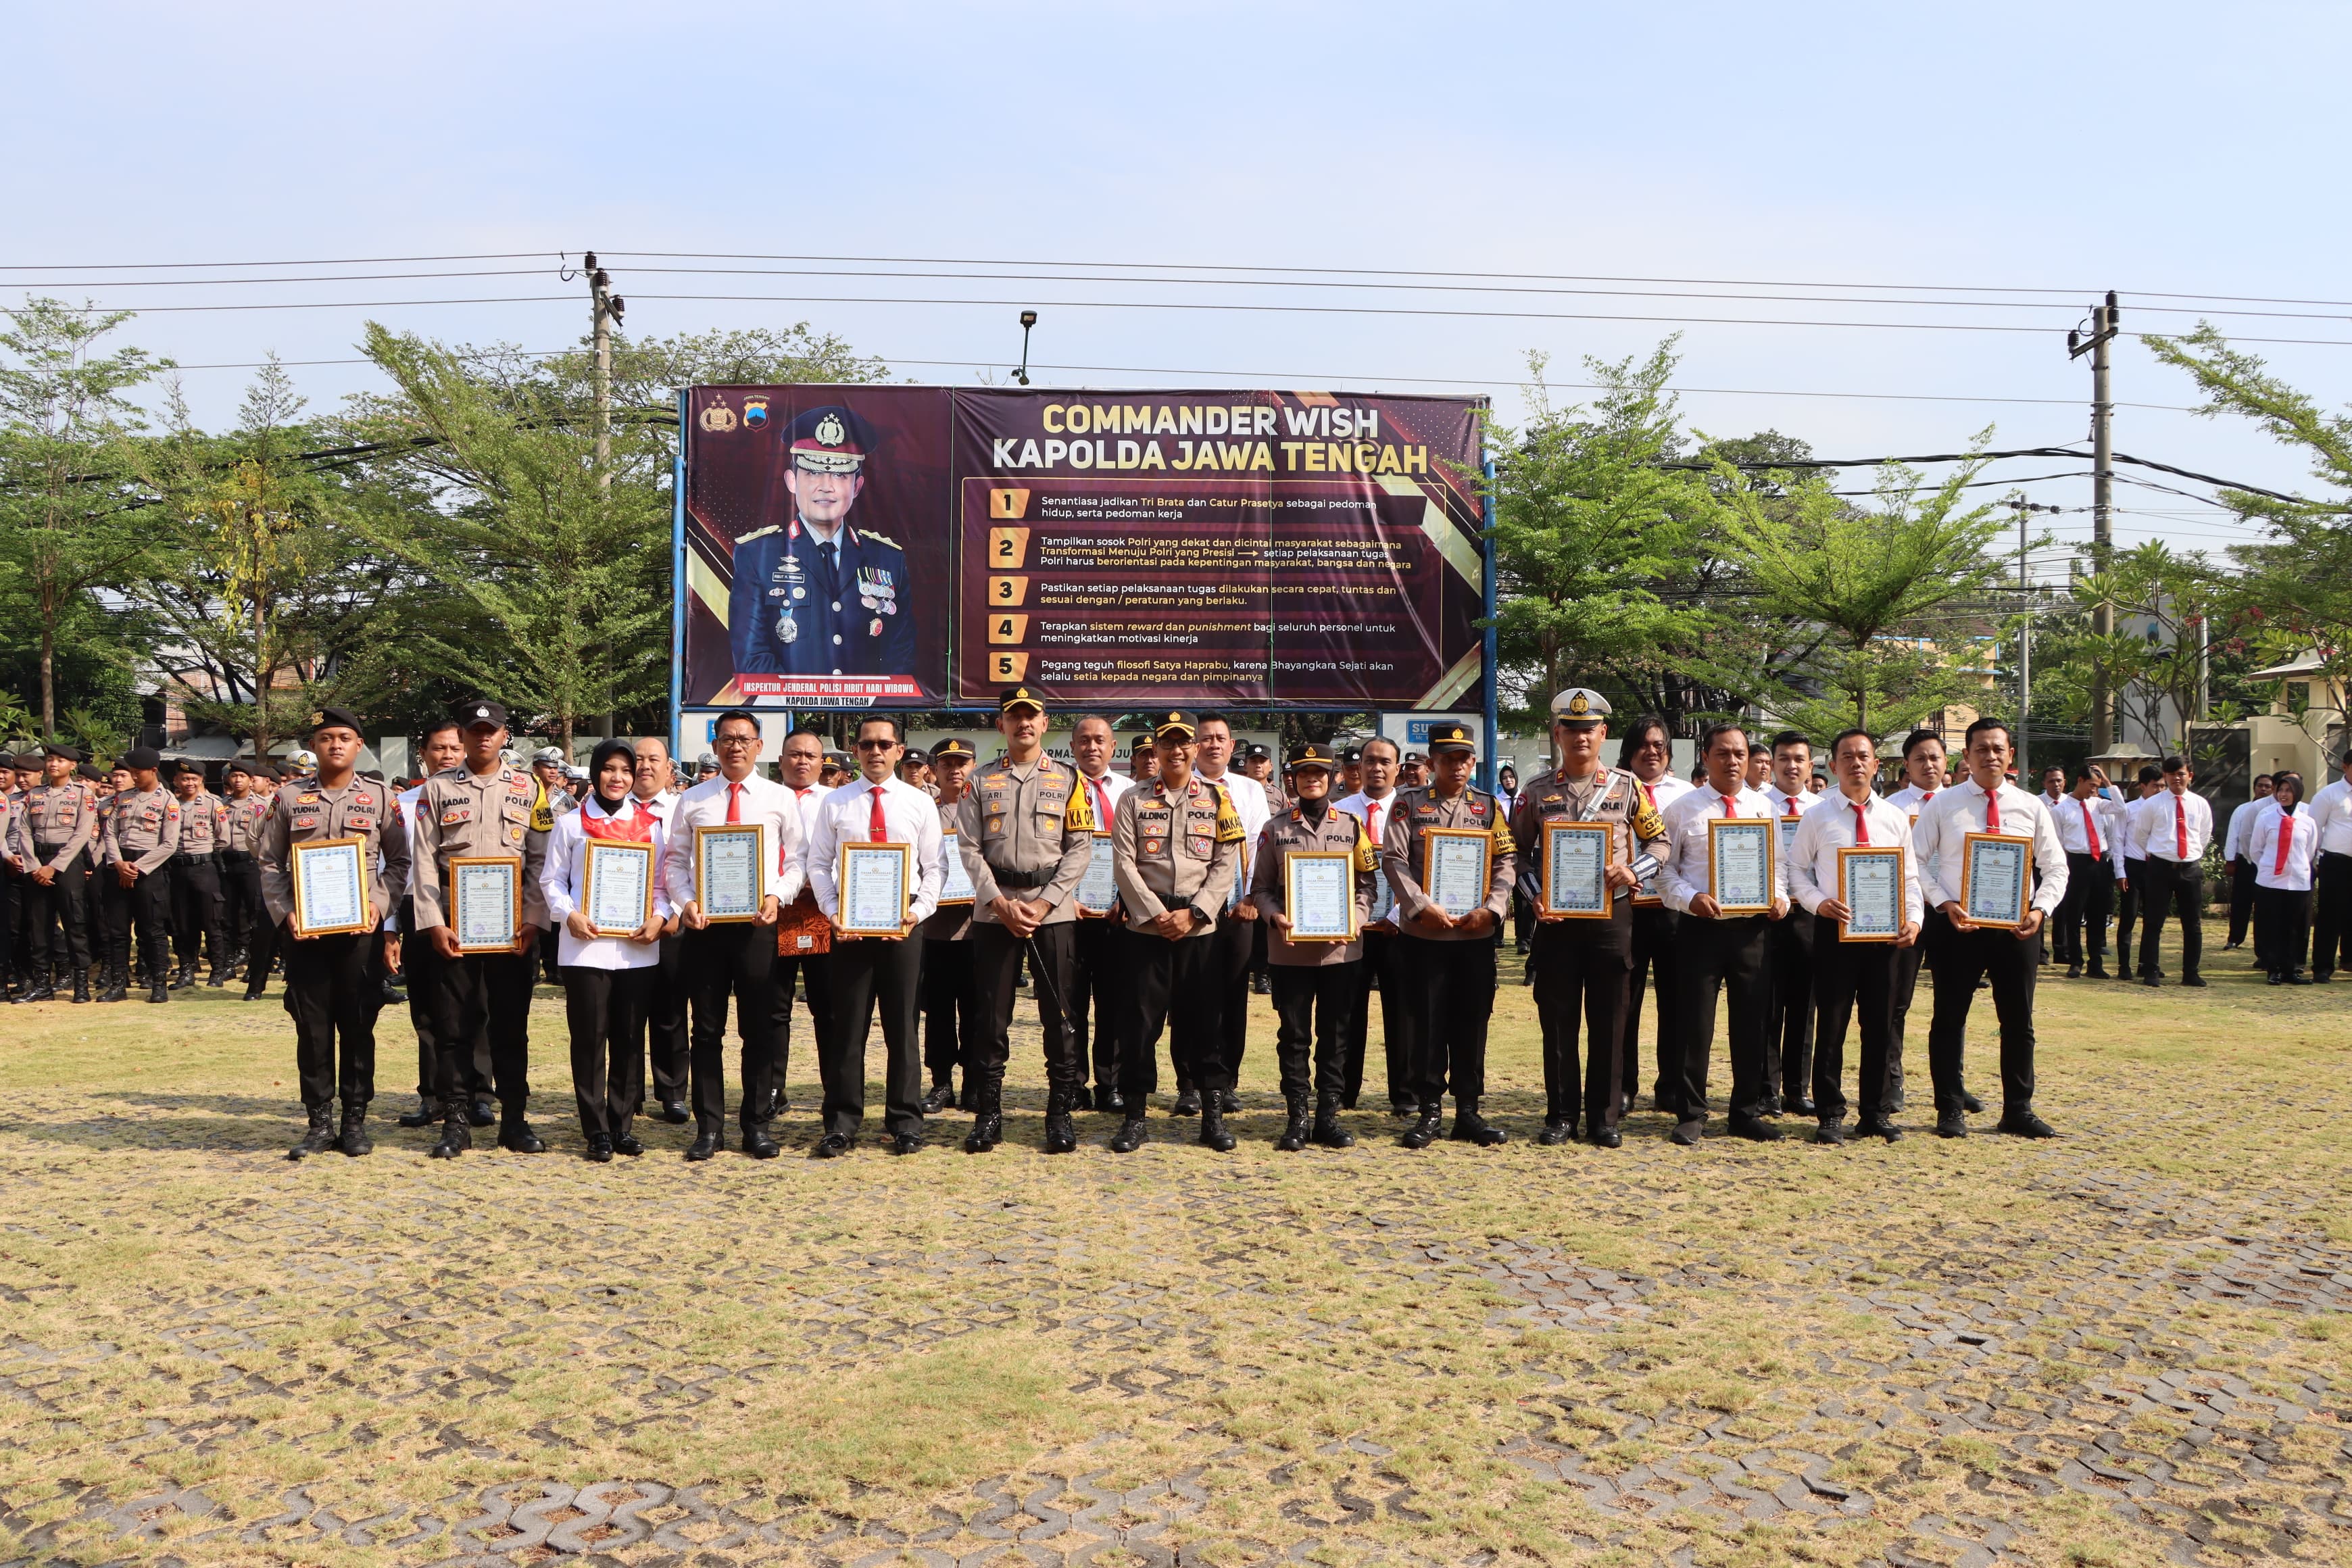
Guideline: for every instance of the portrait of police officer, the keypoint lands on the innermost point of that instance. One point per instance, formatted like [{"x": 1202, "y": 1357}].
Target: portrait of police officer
[{"x": 820, "y": 593}]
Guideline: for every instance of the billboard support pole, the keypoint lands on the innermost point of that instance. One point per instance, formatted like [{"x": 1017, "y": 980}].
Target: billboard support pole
[
  {"x": 1487, "y": 557},
  {"x": 677, "y": 584}
]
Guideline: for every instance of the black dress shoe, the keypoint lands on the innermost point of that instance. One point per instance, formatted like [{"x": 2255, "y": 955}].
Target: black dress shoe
[
  {"x": 2024, "y": 1124},
  {"x": 1111, "y": 1100},
  {"x": 1469, "y": 1127},
  {"x": 482, "y": 1113},
  {"x": 759, "y": 1145},
  {"x": 1971, "y": 1104},
  {"x": 626, "y": 1143},
  {"x": 1608, "y": 1138},
  {"x": 1830, "y": 1133},
  {"x": 252, "y": 993},
  {"x": 2097, "y": 971},
  {"x": 1952, "y": 1124},
  {"x": 2074, "y": 972},
  {"x": 2297, "y": 977},
  {"x": 832, "y": 1146},
  {"x": 517, "y": 1138},
  {"x": 674, "y": 1111},
  {"x": 906, "y": 1143},
  {"x": 1187, "y": 1104},
  {"x": 1879, "y": 1128},
  {"x": 704, "y": 1147},
  {"x": 2151, "y": 981},
  {"x": 987, "y": 1133},
  {"x": 1213, "y": 1130},
  {"x": 1230, "y": 1102},
  {"x": 1754, "y": 1130},
  {"x": 455, "y": 1138},
  {"x": 941, "y": 1097},
  {"x": 1128, "y": 1137},
  {"x": 2196, "y": 981},
  {"x": 1688, "y": 1132},
  {"x": 1803, "y": 1105},
  {"x": 1555, "y": 1133},
  {"x": 1403, "y": 1112},
  {"x": 1425, "y": 1130},
  {"x": 600, "y": 1148},
  {"x": 425, "y": 1114}
]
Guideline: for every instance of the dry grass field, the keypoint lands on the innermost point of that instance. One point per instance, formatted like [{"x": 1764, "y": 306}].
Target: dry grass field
[{"x": 2129, "y": 1346}]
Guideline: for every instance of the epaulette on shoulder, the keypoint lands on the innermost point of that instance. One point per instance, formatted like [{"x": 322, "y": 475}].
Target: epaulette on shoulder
[
  {"x": 757, "y": 533},
  {"x": 869, "y": 535}
]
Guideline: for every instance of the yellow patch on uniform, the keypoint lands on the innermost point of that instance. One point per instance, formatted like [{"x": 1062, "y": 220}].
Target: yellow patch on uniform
[
  {"x": 1081, "y": 817},
  {"x": 1649, "y": 821},
  {"x": 1229, "y": 821},
  {"x": 306, "y": 800},
  {"x": 1365, "y": 859},
  {"x": 1502, "y": 844}
]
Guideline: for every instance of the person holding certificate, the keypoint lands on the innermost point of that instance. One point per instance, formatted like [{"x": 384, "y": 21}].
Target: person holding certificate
[
  {"x": 1647, "y": 752},
  {"x": 733, "y": 862},
  {"x": 1377, "y": 765},
  {"x": 476, "y": 897},
  {"x": 803, "y": 941},
  {"x": 1979, "y": 844},
  {"x": 1852, "y": 871},
  {"x": 1098, "y": 941},
  {"x": 1311, "y": 882},
  {"x": 1448, "y": 853},
  {"x": 1592, "y": 837},
  {"x": 950, "y": 994},
  {"x": 329, "y": 903},
  {"x": 1025, "y": 831},
  {"x": 876, "y": 899},
  {"x": 1788, "y": 1051},
  {"x": 1725, "y": 873},
  {"x": 601, "y": 883}
]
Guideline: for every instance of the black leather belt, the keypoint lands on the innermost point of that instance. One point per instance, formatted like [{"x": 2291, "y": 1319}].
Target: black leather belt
[{"x": 1020, "y": 878}]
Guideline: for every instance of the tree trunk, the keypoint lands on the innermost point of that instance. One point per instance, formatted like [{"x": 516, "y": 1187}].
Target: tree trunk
[
  {"x": 48, "y": 677},
  {"x": 260, "y": 680}
]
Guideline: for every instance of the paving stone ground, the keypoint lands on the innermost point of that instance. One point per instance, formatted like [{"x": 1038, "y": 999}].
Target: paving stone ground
[{"x": 2125, "y": 1346}]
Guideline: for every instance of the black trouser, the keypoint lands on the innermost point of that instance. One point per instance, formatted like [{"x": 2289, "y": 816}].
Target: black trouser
[
  {"x": 1312, "y": 1004},
  {"x": 1789, "y": 1046},
  {"x": 813, "y": 971},
  {"x": 662, "y": 1022},
  {"x": 484, "y": 994},
  {"x": 2241, "y": 897},
  {"x": 1583, "y": 965},
  {"x": 1098, "y": 995},
  {"x": 1722, "y": 955},
  {"x": 1174, "y": 987},
  {"x": 2083, "y": 912},
  {"x": 55, "y": 915},
  {"x": 1963, "y": 958},
  {"x": 146, "y": 905},
  {"x": 2128, "y": 903},
  {"x": 996, "y": 955},
  {"x": 2331, "y": 913},
  {"x": 8, "y": 880},
  {"x": 247, "y": 921},
  {"x": 604, "y": 1008},
  {"x": 2282, "y": 925},
  {"x": 548, "y": 949},
  {"x": 421, "y": 962},
  {"x": 2173, "y": 886},
  {"x": 327, "y": 979},
  {"x": 1523, "y": 920},
  {"x": 199, "y": 913},
  {"x": 1235, "y": 939},
  {"x": 1853, "y": 982},
  {"x": 1383, "y": 959},
  {"x": 1657, "y": 942},
  {"x": 1452, "y": 987},
  {"x": 735, "y": 960},
  {"x": 951, "y": 1017},
  {"x": 868, "y": 971}
]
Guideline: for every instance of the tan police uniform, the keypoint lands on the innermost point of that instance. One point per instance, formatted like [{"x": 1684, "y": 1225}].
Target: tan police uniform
[
  {"x": 57, "y": 829},
  {"x": 1317, "y": 985},
  {"x": 143, "y": 831},
  {"x": 1178, "y": 850},
  {"x": 251, "y": 932},
  {"x": 198, "y": 911}
]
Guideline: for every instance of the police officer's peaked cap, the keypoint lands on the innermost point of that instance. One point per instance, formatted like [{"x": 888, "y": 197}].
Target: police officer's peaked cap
[
  {"x": 1444, "y": 738},
  {"x": 1257, "y": 752},
  {"x": 1141, "y": 743},
  {"x": 1352, "y": 755},
  {"x": 951, "y": 747},
  {"x": 831, "y": 440},
  {"x": 1014, "y": 697},
  {"x": 480, "y": 711},
  {"x": 1580, "y": 708},
  {"x": 1174, "y": 725},
  {"x": 1311, "y": 756},
  {"x": 138, "y": 757},
  {"x": 548, "y": 754}
]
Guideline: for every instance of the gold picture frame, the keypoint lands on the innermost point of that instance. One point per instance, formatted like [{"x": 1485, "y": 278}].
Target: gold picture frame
[
  {"x": 1346, "y": 860},
  {"x": 707, "y": 836},
  {"x": 2006, "y": 843},
  {"x": 595, "y": 849},
  {"x": 1552, "y": 830},
  {"x": 458, "y": 866},
  {"x": 312, "y": 848},
  {"x": 1847, "y": 854},
  {"x": 1720, "y": 828}
]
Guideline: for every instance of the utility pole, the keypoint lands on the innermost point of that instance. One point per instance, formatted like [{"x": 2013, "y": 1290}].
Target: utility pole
[
  {"x": 2102, "y": 487},
  {"x": 604, "y": 309},
  {"x": 2025, "y": 509}
]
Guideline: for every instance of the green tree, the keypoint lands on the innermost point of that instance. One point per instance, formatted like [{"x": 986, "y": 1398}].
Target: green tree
[{"x": 2167, "y": 604}]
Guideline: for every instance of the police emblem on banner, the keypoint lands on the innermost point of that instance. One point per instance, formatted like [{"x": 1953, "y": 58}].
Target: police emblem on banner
[
  {"x": 718, "y": 419},
  {"x": 755, "y": 413}
]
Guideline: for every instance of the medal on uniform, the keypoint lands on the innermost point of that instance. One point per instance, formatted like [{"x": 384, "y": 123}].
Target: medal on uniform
[{"x": 787, "y": 628}]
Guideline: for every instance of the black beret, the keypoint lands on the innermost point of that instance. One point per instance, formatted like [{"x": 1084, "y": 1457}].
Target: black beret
[{"x": 138, "y": 757}]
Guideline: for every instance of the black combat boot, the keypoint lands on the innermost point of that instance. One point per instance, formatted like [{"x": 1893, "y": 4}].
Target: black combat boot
[
  {"x": 988, "y": 1118},
  {"x": 1327, "y": 1130},
  {"x": 427, "y": 1113},
  {"x": 1469, "y": 1127},
  {"x": 1130, "y": 1134},
  {"x": 115, "y": 985},
  {"x": 515, "y": 1134},
  {"x": 456, "y": 1135},
  {"x": 1061, "y": 1136},
  {"x": 45, "y": 984},
  {"x": 354, "y": 1140},
  {"x": 319, "y": 1137},
  {"x": 184, "y": 978},
  {"x": 81, "y": 985},
  {"x": 160, "y": 989},
  {"x": 1294, "y": 1130},
  {"x": 1425, "y": 1128},
  {"x": 1213, "y": 1124}
]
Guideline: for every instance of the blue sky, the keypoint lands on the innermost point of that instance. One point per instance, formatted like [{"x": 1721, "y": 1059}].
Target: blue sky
[{"x": 2153, "y": 147}]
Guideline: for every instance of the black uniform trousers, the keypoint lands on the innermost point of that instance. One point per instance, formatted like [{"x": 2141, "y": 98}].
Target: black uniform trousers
[
  {"x": 951, "y": 1018},
  {"x": 2331, "y": 913},
  {"x": 1382, "y": 972},
  {"x": 1788, "y": 1047},
  {"x": 738, "y": 960},
  {"x": 199, "y": 912},
  {"x": 327, "y": 979},
  {"x": 996, "y": 955},
  {"x": 662, "y": 1023},
  {"x": 1097, "y": 996},
  {"x": 1962, "y": 958},
  {"x": 1723, "y": 956},
  {"x": 1583, "y": 965},
  {"x": 56, "y": 917},
  {"x": 1854, "y": 987},
  {"x": 1452, "y": 988},
  {"x": 867, "y": 972},
  {"x": 1657, "y": 942},
  {"x": 604, "y": 1008},
  {"x": 145, "y": 906},
  {"x": 1235, "y": 940},
  {"x": 813, "y": 972},
  {"x": 2083, "y": 912},
  {"x": 246, "y": 923},
  {"x": 1312, "y": 1005},
  {"x": 483, "y": 994},
  {"x": 8, "y": 880},
  {"x": 2129, "y": 904},
  {"x": 2173, "y": 887},
  {"x": 1173, "y": 987},
  {"x": 2241, "y": 897},
  {"x": 2281, "y": 928}
]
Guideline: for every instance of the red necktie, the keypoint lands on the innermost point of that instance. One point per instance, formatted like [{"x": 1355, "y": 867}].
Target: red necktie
[
  {"x": 1651, "y": 796},
  {"x": 1792, "y": 806},
  {"x": 2180, "y": 826},
  {"x": 1726, "y": 808},
  {"x": 1992, "y": 810},
  {"x": 734, "y": 802},
  {"x": 1372, "y": 818},
  {"x": 876, "y": 829},
  {"x": 1102, "y": 807},
  {"x": 1861, "y": 827},
  {"x": 2091, "y": 827},
  {"x": 2286, "y": 836}
]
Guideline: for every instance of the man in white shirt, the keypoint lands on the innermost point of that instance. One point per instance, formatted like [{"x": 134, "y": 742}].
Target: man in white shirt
[
  {"x": 803, "y": 960},
  {"x": 2129, "y": 898},
  {"x": 1237, "y": 938},
  {"x": 2171, "y": 833},
  {"x": 1852, "y": 975},
  {"x": 1967, "y": 952},
  {"x": 734, "y": 958},
  {"x": 1721, "y": 951},
  {"x": 2091, "y": 825},
  {"x": 1789, "y": 1049},
  {"x": 1378, "y": 763},
  {"x": 1099, "y": 1005},
  {"x": 654, "y": 788},
  {"x": 2331, "y": 897},
  {"x": 1924, "y": 778},
  {"x": 878, "y": 808},
  {"x": 1647, "y": 752},
  {"x": 2237, "y": 864}
]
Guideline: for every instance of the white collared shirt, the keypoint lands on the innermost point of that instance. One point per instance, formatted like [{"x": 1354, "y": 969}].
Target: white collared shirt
[
  {"x": 1102, "y": 795},
  {"x": 563, "y": 877},
  {"x": 2241, "y": 822},
  {"x": 764, "y": 802},
  {"x": 807, "y": 799},
  {"x": 1668, "y": 788},
  {"x": 2132, "y": 809},
  {"x": 2164, "y": 819},
  {"x": 2076, "y": 818},
  {"x": 1373, "y": 814},
  {"x": 1683, "y": 872},
  {"x": 1910, "y": 798},
  {"x": 909, "y": 815},
  {"x": 2331, "y": 816},
  {"x": 1940, "y": 839},
  {"x": 1251, "y": 805},
  {"x": 2301, "y": 848},
  {"x": 1781, "y": 800},
  {"x": 1828, "y": 826}
]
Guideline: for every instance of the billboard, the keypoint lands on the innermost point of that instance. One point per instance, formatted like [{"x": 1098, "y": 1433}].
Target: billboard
[{"x": 908, "y": 547}]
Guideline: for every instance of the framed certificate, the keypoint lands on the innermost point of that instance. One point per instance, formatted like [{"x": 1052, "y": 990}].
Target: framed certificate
[
  {"x": 957, "y": 889},
  {"x": 1455, "y": 867},
  {"x": 1318, "y": 895},
  {"x": 1576, "y": 856},
  {"x": 729, "y": 867},
  {"x": 484, "y": 902},
  {"x": 1870, "y": 884},
  {"x": 874, "y": 881},
  {"x": 330, "y": 895},
  {"x": 1383, "y": 897},
  {"x": 1996, "y": 880},
  {"x": 616, "y": 889},
  {"x": 1097, "y": 891},
  {"x": 1739, "y": 860}
]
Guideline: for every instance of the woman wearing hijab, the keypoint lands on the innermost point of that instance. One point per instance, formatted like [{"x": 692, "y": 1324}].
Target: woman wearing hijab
[{"x": 607, "y": 980}]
